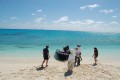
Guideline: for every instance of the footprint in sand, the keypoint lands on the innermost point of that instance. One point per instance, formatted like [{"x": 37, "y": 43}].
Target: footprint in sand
[{"x": 12, "y": 73}]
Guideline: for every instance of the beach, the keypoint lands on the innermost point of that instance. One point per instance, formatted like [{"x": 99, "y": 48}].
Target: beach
[
  {"x": 30, "y": 69},
  {"x": 21, "y": 55},
  {"x": 73, "y": 31}
]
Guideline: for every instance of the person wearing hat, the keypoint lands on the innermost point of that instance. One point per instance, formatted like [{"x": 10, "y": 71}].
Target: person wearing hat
[
  {"x": 79, "y": 49},
  {"x": 78, "y": 57}
]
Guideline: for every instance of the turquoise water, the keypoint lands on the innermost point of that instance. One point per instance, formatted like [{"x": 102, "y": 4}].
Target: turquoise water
[{"x": 29, "y": 43}]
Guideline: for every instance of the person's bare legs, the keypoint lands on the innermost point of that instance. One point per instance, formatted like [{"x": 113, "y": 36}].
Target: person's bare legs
[
  {"x": 46, "y": 63},
  {"x": 95, "y": 60},
  {"x": 42, "y": 63},
  {"x": 78, "y": 61}
]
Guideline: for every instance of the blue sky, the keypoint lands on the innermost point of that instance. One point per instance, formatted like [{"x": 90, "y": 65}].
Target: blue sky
[{"x": 78, "y": 15}]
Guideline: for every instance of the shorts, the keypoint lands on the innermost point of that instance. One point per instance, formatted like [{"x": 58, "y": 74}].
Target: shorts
[
  {"x": 46, "y": 58},
  {"x": 95, "y": 56}
]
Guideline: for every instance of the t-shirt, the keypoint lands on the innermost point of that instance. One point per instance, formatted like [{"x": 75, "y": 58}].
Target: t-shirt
[
  {"x": 79, "y": 49},
  {"x": 45, "y": 52},
  {"x": 71, "y": 56},
  {"x": 96, "y": 53},
  {"x": 77, "y": 53}
]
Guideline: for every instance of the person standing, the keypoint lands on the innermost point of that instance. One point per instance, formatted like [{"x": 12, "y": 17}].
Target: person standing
[
  {"x": 78, "y": 57},
  {"x": 95, "y": 55},
  {"x": 66, "y": 49},
  {"x": 79, "y": 49},
  {"x": 71, "y": 60},
  {"x": 46, "y": 56}
]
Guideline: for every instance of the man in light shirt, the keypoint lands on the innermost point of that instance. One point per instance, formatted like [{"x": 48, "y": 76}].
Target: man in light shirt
[
  {"x": 79, "y": 49},
  {"x": 78, "y": 55},
  {"x": 71, "y": 60}
]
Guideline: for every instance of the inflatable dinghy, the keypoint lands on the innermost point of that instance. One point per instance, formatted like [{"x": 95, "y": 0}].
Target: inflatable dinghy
[{"x": 62, "y": 56}]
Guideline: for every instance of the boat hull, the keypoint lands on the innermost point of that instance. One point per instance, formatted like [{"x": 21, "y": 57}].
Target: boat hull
[{"x": 62, "y": 56}]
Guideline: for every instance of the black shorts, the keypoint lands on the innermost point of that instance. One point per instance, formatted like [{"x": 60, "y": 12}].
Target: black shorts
[
  {"x": 95, "y": 56},
  {"x": 46, "y": 58}
]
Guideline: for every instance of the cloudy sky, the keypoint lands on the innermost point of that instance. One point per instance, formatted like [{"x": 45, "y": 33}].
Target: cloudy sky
[{"x": 79, "y": 15}]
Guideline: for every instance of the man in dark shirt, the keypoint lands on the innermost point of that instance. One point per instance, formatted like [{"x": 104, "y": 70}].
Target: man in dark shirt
[
  {"x": 46, "y": 56},
  {"x": 66, "y": 49}
]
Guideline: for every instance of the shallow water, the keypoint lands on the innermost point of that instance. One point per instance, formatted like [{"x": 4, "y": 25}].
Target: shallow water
[{"x": 29, "y": 43}]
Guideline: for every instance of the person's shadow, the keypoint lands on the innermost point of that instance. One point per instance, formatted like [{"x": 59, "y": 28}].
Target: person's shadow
[
  {"x": 40, "y": 68},
  {"x": 68, "y": 73},
  {"x": 94, "y": 65}
]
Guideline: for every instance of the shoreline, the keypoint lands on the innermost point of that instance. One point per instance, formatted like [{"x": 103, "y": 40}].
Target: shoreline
[{"x": 86, "y": 59}]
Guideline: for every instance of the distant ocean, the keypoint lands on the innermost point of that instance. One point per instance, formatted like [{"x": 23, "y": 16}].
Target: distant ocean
[{"x": 29, "y": 43}]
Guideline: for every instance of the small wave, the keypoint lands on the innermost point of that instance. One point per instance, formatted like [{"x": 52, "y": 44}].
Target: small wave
[
  {"x": 6, "y": 34},
  {"x": 35, "y": 36},
  {"x": 23, "y": 46}
]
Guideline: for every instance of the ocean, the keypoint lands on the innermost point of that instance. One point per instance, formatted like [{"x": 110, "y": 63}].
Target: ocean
[{"x": 30, "y": 43}]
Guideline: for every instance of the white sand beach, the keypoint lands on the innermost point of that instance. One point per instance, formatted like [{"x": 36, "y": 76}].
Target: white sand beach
[{"x": 29, "y": 69}]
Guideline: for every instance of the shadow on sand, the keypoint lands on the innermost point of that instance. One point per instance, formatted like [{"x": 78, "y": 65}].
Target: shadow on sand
[
  {"x": 94, "y": 65},
  {"x": 40, "y": 68},
  {"x": 68, "y": 73}
]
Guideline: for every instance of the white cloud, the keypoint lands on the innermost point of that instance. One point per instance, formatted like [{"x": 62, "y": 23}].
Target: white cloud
[
  {"x": 89, "y": 21},
  {"x": 89, "y": 6},
  {"x": 83, "y": 7},
  {"x": 37, "y": 12},
  {"x": 38, "y": 20},
  {"x": 114, "y": 22},
  {"x": 114, "y": 16},
  {"x": 13, "y": 17},
  {"x": 62, "y": 19},
  {"x": 79, "y": 23},
  {"x": 107, "y": 11},
  {"x": 93, "y": 6},
  {"x": 33, "y": 14},
  {"x": 75, "y": 22},
  {"x": 40, "y": 10},
  {"x": 85, "y": 22}
]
